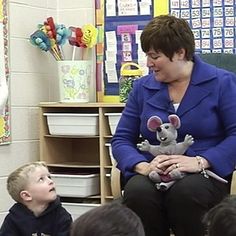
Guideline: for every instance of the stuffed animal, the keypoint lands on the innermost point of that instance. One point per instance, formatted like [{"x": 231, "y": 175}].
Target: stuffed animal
[{"x": 167, "y": 134}]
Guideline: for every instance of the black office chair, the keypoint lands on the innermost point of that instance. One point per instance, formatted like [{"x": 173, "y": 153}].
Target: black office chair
[{"x": 223, "y": 60}]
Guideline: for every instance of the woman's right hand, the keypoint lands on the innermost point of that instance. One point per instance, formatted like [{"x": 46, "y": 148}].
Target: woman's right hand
[
  {"x": 144, "y": 168},
  {"x": 153, "y": 165}
]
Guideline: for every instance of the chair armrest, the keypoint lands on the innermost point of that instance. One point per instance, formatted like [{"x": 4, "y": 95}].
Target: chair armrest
[
  {"x": 233, "y": 183},
  {"x": 115, "y": 180}
]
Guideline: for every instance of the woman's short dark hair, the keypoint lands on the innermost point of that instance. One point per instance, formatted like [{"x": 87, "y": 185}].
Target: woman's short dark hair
[
  {"x": 168, "y": 34},
  {"x": 112, "y": 219}
]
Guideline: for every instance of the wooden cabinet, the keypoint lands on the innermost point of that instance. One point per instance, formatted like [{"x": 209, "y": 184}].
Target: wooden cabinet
[{"x": 80, "y": 153}]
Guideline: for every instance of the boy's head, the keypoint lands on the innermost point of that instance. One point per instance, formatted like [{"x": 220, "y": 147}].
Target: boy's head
[
  {"x": 220, "y": 220},
  {"x": 31, "y": 182},
  {"x": 108, "y": 220}
]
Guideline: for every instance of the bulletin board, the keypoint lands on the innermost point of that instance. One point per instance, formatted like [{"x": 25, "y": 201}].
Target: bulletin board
[
  {"x": 4, "y": 71},
  {"x": 99, "y": 5},
  {"x": 212, "y": 23},
  {"x": 124, "y": 22},
  {"x": 119, "y": 24}
]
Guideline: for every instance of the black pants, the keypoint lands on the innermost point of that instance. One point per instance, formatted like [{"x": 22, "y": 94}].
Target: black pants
[{"x": 181, "y": 208}]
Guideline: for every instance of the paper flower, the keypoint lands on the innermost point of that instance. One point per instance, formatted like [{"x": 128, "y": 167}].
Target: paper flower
[
  {"x": 40, "y": 39},
  {"x": 76, "y": 40},
  {"x": 51, "y": 37},
  {"x": 89, "y": 37},
  {"x": 62, "y": 34},
  {"x": 51, "y": 26}
]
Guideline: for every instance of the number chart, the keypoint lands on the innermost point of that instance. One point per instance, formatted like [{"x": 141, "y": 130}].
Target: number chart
[{"x": 212, "y": 23}]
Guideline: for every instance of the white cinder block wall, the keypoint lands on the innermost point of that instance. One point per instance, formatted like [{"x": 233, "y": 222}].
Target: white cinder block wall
[{"x": 33, "y": 77}]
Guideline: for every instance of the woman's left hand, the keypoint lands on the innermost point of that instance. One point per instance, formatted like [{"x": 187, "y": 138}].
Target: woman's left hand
[{"x": 180, "y": 162}]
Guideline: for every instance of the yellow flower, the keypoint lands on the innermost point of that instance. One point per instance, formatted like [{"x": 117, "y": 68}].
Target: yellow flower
[{"x": 89, "y": 37}]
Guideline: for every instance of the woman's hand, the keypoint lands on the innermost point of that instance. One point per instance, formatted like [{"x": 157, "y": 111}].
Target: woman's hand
[
  {"x": 163, "y": 164},
  {"x": 144, "y": 168},
  {"x": 183, "y": 163}
]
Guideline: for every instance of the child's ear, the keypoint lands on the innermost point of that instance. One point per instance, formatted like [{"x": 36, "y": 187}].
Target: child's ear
[{"x": 25, "y": 195}]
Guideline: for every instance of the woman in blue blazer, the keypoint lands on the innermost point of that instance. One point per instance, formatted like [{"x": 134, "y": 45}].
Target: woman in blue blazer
[{"x": 204, "y": 98}]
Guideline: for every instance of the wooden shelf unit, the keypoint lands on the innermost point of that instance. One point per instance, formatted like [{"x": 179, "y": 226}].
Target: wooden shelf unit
[{"x": 80, "y": 152}]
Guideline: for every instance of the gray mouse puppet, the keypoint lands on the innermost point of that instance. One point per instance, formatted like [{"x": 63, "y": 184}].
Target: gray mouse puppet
[{"x": 167, "y": 134}]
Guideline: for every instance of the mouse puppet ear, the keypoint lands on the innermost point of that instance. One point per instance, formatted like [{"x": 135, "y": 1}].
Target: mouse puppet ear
[
  {"x": 174, "y": 120},
  {"x": 153, "y": 123}
]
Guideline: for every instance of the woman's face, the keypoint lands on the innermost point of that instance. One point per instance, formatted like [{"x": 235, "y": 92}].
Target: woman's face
[{"x": 165, "y": 70}]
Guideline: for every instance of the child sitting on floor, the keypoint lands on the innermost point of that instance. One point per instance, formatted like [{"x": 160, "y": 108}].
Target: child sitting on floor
[
  {"x": 37, "y": 210},
  {"x": 111, "y": 219},
  {"x": 220, "y": 220}
]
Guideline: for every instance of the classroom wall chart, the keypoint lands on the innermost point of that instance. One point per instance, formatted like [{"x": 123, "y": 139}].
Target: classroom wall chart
[
  {"x": 212, "y": 23},
  {"x": 124, "y": 22},
  {"x": 5, "y": 134}
]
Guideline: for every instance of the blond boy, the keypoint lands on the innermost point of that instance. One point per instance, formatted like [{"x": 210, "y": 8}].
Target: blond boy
[{"x": 37, "y": 210}]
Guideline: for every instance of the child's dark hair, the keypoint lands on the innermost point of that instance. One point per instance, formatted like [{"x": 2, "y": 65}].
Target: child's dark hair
[
  {"x": 113, "y": 219},
  {"x": 220, "y": 220}
]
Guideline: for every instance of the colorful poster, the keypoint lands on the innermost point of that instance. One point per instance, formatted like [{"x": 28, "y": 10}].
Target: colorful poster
[
  {"x": 123, "y": 23},
  {"x": 99, "y": 49},
  {"x": 4, "y": 73},
  {"x": 120, "y": 25}
]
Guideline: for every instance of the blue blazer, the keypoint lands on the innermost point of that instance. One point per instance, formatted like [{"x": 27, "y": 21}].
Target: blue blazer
[{"x": 207, "y": 112}]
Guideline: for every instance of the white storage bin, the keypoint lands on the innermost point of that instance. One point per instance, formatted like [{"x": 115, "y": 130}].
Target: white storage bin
[
  {"x": 72, "y": 123},
  {"x": 113, "y": 119},
  {"x": 77, "y": 209},
  {"x": 76, "y": 185}
]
